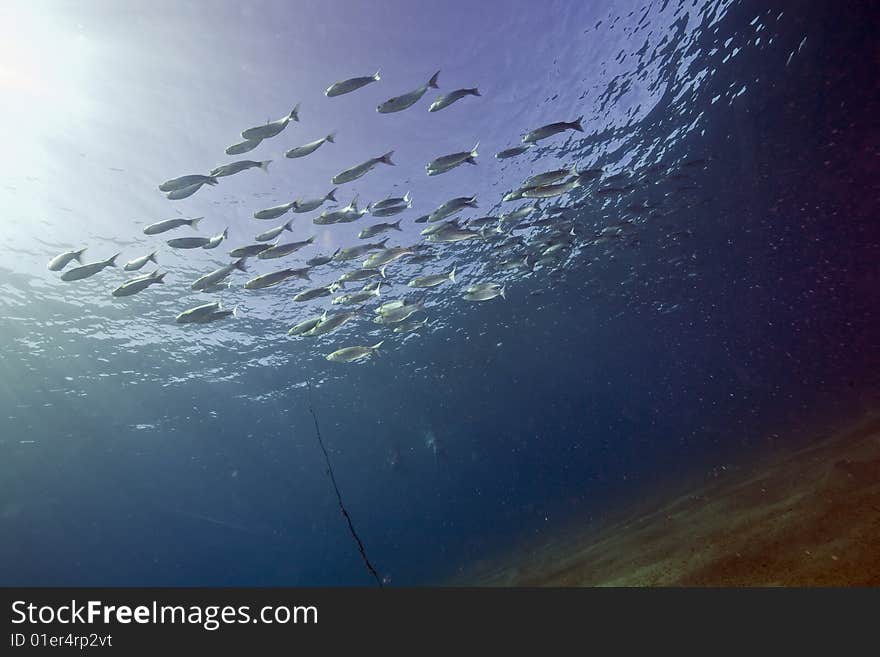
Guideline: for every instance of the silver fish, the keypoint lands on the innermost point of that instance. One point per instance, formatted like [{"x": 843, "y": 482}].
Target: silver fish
[
  {"x": 315, "y": 293},
  {"x": 448, "y": 162},
  {"x": 400, "y": 103},
  {"x": 274, "y": 212},
  {"x": 447, "y": 99},
  {"x": 340, "y": 216},
  {"x": 409, "y": 327},
  {"x": 551, "y": 191},
  {"x": 548, "y": 177},
  {"x": 451, "y": 207},
  {"x": 281, "y": 250},
  {"x": 237, "y": 167},
  {"x": 215, "y": 241},
  {"x": 274, "y": 278},
  {"x": 216, "y": 287},
  {"x": 319, "y": 260},
  {"x": 170, "y": 224},
  {"x": 432, "y": 280},
  {"x": 354, "y": 252},
  {"x": 307, "y": 325},
  {"x": 482, "y": 222},
  {"x": 183, "y": 192},
  {"x": 271, "y": 128},
  {"x": 59, "y": 262},
  {"x": 352, "y": 84},
  {"x": 358, "y": 297},
  {"x": 137, "y": 263},
  {"x": 387, "y": 255},
  {"x": 272, "y": 233},
  {"x": 484, "y": 292},
  {"x": 243, "y": 146},
  {"x": 209, "y": 280},
  {"x": 453, "y": 235},
  {"x": 248, "y": 251},
  {"x": 186, "y": 181},
  {"x": 406, "y": 200},
  {"x": 376, "y": 229},
  {"x": 353, "y": 354},
  {"x": 552, "y": 129},
  {"x": 392, "y": 313},
  {"x": 430, "y": 229},
  {"x": 189, "y": 242},
  {"x": 85, "y": 271},
  {"x": 216, "y": 316},
  {"x": 359, "y": 170},
  {"x": 332, "y": 322},
  {"x": 188, "y": 316},
  {"x": 512, "y": 152},
  {"x": 138, "y": 284},
  {"x": 313, "y": 204},
  {"x": 311, "y": 147},
  {"x": 362, "y": 274}
]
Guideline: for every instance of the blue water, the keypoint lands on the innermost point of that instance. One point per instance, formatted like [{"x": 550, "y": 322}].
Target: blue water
[{"x": 735, "y": 309}]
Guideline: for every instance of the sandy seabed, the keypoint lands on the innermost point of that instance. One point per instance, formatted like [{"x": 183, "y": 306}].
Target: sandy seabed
[{"x": 809, "y": 517}]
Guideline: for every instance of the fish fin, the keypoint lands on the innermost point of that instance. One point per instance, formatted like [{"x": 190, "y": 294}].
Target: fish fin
[
  {"x": 311, "y": 240},
  {"x": 152, "y": 257},
  {"x": 473, "y": 202},
  {"x": 474, "y": 149},
  {"x": 195, "y": 222},
  {"x": 433, "y": 81},
  {"x": 376, "y": 75},
  {"x": 503, "y": 295},
  {"x": 407, "y": 198},
  {"x": 241, "y": 264},
  {"x": 265, "y": 165},
  {"x": 212, "y": 180},
  {"x": 111, "y": 261},
  {"x": 474, "y": 92},
  {"x": 396, "y": 225},
  {"x": 452, "y": 274},
  {"x": 471, "y": 160},
  {"x": 226, "y": 232},
  {"x": 386, "y": 159},
  {"x": 287, "y": 226},
  {"x": 378, "y": 287},
  {"x": 304, "y": 274},
  {"x": 161, "y": 277},
  {"x": 376, "y": 346},
  {"x": 576, "y": 124},
  {"x": 79, "y": 255},
  {"x": 331, "y": 137},
  {"x": 331, "y": 195},
  {"x": 294, "y": 113},
  {"x": 382, "y": 271},
  {"x": 382, "y": 242}
]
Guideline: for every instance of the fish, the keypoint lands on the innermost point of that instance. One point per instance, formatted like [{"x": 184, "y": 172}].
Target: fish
[
  {"x": 352, "y": 84},
  {"x": 59, "y": 262},
  {"x": 409, "y": 327},
  {"x": 354, "y": 252},
  {"x": 188, "y": 242},
  {"x": 243, "y": 146},
  {"x": 345, "y": 215},
  {"x": 421, "y": 220},
  {"x": 376, "y": 229},
  {"x": 281, "y": 250},
  {"x": 188, "y": 316},
  {"x": 313, "y": 204},
  {"x": 274, "y": 212},
  {"x": 137, "y": 263},
  {"x": 447, "y": 99},
  {"x": 274, "y": 278},
  {"x": 550, "y": 191},
  {"x": 359, "y": 170},
  {"x": 362, "y": 274},
  {"x": 400, "y": 103},
  {"x": 332, "y": 322},
  {"x": 216, "y": 287},
  {"x": 239, "y": 166},
  {"x": 215, "y": 241},
  {"x": 183, "y": 192},
  {"x": 513, "y": 195},
  {"x": 484, "y": 292},
  {"x": 218, "y": 275},
  {"x": 552, "y": 129},
  {"x": 170, "y": 224},
  {"x": 513, "y": 263},
  {"x": 271, "y": 128},
  {"x": 187, "y": 181},
  {"x": 319, "y": 260},
  {"x": 432, "y": 280},
  {"x": 272, "y": 233},
  {"x": 306, "y": 325},
  {"x": 521, "y": 212},
  {"x": 311, "y": 147},
  {"x": 512, "y": 152},
  {"x": 436, "y": 228},
  {"x": 482, "y": 222},
  {"x": 420, "y": 259},
  {"x": 394, "y": 314},
  {"x": 138, "y": 284},
  {"x": 215, "y": 316},
  {"x": 315, "y": 293},
  {"x": 548, "y": 177},
  {"x": 387, "y": 255},
  {"x": 359, "y": 297},
  {"x": 406, "y": 200},
  {"x": 389, "y": 306},
  {"x": 248, "y": 251},
  {"x": 453, "y": 235},
  {"x": 353, "y": 354},
  {"x": 449, "y": 162},
  {"x": 451, "y": 207},
  {"x": 86, "y": 271}
]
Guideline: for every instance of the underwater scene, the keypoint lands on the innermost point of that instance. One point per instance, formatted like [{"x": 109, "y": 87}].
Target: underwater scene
[{"x": 338, "y": 293}]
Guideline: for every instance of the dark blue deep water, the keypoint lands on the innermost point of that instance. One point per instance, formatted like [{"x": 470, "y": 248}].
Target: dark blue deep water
[{"x": 730, "y": 303}]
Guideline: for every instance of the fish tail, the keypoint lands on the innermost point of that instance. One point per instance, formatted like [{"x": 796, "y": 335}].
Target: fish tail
[
  {"x": 287, "y": 226},
  {"x": 152, "y": 257},
  {"x": 79, "y": 254},
  {"x": 331, "y": 137},
  {"x": 386, "y": 159},
  {"x": 433, "y": 81},
  {"x": 382, "y": 242},
  {"x": 474, "y": 149},
  {"x": 161, "y": 277},
  {"x": 331, "y": 195},
  {"x": 194, "y": 223},
  {"x": 452, "y": 274},
  {"x": 265, "y": 164},
  {"x": 378, "y": 287},
  {"x": 407, "y": 198},
  {"x": 311, "y": 240},
  {"x": 376, "y": 75},
  {"x": 294, "y": 113},
  {"x": 473, "y": 202},
  {"x": 503, "y": 294},
  {"x": 471, "y": 160},
  {"x": 235, "y": 311},
  {"x": 576, "y": 124},
  {"x": 241, "y": 264},
  {"x": 382, "y": 271},
  {"x": 111, "y": 261},
  {"x": 474, "y": 92},
  {"x": 396, "y": 225},
  {"x": 376, "y": 346}
]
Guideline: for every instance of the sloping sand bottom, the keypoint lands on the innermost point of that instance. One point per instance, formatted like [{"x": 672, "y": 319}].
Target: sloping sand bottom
[{"x": 805, "y": 518}]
